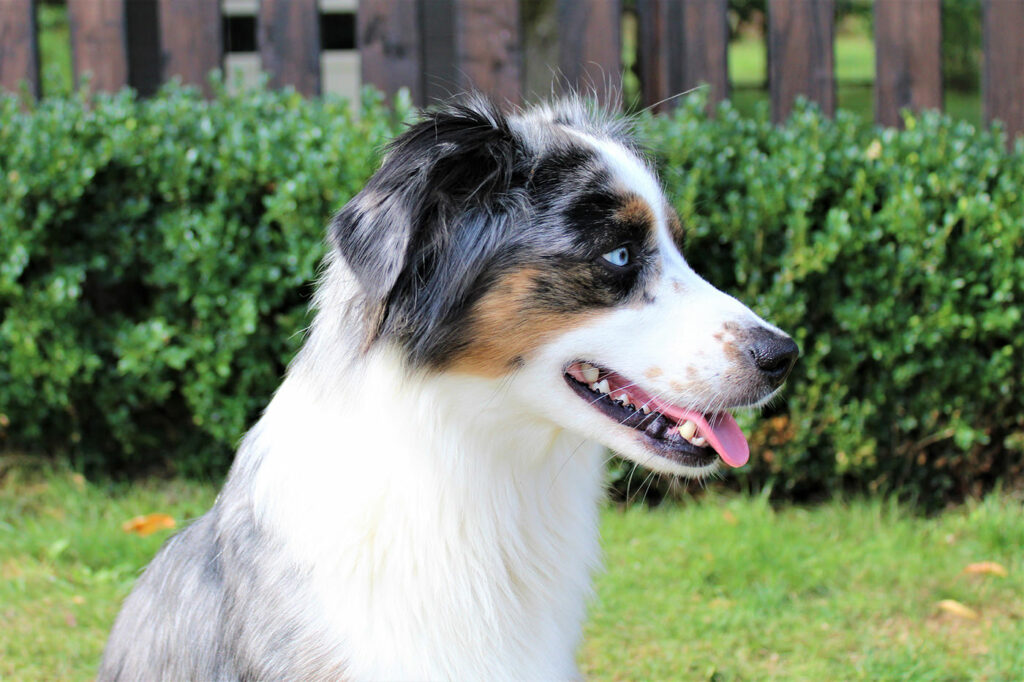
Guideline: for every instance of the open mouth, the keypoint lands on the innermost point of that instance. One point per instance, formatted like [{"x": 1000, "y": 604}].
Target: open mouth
[{"x": 682, "y": 435}]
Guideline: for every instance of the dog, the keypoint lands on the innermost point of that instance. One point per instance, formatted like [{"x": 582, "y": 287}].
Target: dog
[{"x": 505, "y": 299}]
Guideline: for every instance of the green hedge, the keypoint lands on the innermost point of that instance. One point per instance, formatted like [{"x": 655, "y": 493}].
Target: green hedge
[
  {"x": 155, "y": 263},
  {"x": 156, "y": 259},
  {"x": 897, "y": 260}
]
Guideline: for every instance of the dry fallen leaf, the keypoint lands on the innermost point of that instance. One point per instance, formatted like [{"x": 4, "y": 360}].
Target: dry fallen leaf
[
  {"x": 730, "y": 518},
  {"x": 987, "y": 568},
  {"x": 148, "y": 524},
  {"x": 958, "y": 609}
]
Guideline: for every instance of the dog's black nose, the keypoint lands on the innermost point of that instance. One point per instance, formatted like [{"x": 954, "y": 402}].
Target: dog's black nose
[{"x": 773, "y": 353}]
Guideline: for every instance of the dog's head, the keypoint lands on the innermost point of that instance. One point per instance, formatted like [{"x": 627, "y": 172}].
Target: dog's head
[{"x": 539, "y": 250}]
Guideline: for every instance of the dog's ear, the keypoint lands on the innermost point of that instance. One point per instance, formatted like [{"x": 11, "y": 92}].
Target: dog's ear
[
  {"x": 455, "y": 161},
  {"x": 372, "y": 234}
]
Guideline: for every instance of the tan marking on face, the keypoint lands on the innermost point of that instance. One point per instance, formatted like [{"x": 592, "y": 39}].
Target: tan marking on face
[
  {"x": 735, "y": 354},
  {"x": 635, "y": 210},
  {"x": 691, "y": 387},
  {"x": 675, "y": 226},
  {"x": 732, "y": 338},
  {"x": 654, "y": 373},
  {"x": 506, "y": 325},
  {"x": 678, "y": 286}
]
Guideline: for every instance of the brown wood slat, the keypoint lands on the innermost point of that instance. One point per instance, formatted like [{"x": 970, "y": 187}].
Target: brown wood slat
[
  {"x": 590, "y": 47},
  {"x": 389, "y": 46},
  {"x": 289, "y": 41},
  {"x": 801, "y": 35},
  {"x": 681, "y": 44},
  {"x": 19, "y": 49},
  {"x": 98, "y": 42},
  {"x": 701, "y": 56},
  {"x": 908, "y": 57},
  {"x": 488, "y": 48},
  {"x": 191, "y": 43},
  {"x": 652, "y": 53},
  {"x": 1003, "y": 79}
]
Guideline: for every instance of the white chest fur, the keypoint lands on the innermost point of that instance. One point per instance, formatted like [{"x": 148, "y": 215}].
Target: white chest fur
[{"x": 446, "y": 536}]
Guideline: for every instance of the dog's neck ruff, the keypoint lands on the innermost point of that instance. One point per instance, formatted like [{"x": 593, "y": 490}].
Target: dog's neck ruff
[{"x": 430, "y": 517}]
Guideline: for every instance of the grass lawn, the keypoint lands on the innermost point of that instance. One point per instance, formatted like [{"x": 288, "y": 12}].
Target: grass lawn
[
  {"x": 721, "y": 589},
  {"x": 730, "y": 589},
  {"x": 65, "y": 564}
]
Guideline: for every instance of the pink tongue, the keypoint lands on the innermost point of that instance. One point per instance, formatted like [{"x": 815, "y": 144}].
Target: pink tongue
[
  {"x": 724, "y": 435},
  {"x": 727, "y": 439}
]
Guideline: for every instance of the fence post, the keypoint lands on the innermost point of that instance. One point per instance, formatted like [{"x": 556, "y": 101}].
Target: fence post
[
  {"x": 389, "y": 46},
  {"x": 1003, "y": 79},
  {"x": 19, "y": 48},
  {"x": 98, "y": 42},
  {"x": 702, "y": 54},
  {"x": 908, "y": 57},
  {"x": 802, "y": 54},
  {"x": 190, "y": 40},
  {"x": 440, "y": 77},
  {"x": 289, "y": 42},
  {"x": 651, "y": 54},
  {"x": 488, "y": 47},
  {"x": 681, "y": 44},
  {"x": 590, "y": 47}
]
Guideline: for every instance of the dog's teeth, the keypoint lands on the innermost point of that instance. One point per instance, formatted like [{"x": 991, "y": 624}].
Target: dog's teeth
[
  {"x": 589, "y": 372},
  {"x": 624, "y": 399},
  {"x": 602, "y": 386},
  {"x": 688, "y": 430},
  {"x": 700, "y": 441},
  {"x": 645, "y": 409}
]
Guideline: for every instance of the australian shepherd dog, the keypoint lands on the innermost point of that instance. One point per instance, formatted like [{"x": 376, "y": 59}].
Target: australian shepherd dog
[{"x": 504, "y": 300}]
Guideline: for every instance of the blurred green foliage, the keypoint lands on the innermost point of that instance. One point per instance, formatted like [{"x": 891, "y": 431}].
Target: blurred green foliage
[
  {"x": 961, "y": 44},
  {"x": 156, "y": 258},
  {"x": 54, "y": 48}
]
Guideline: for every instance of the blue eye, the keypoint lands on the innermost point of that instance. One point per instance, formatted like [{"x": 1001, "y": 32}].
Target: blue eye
[{"x": 619, "y": 257}]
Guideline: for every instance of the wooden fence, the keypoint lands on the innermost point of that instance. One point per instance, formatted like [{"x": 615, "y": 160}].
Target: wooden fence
[{"x": 436, "y": 47}]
